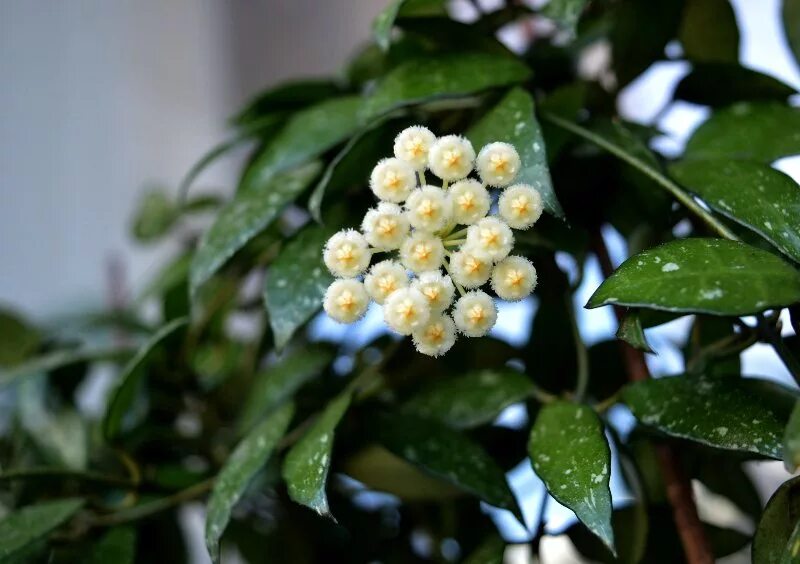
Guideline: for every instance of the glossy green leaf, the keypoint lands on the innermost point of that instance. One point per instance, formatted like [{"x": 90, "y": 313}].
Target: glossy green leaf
[
  {"x": 117, "y": 546},
  {"x": 472, "y": 399},
  {"x": 569, "y": 452},
  {"x": 490, "y": 551},
  {"x": 631, "y": 331},
  {"x": 445, "y": 454},
  {"x": 123, "y": 396},
  {"x": 305, "y": 468},
  {"x": 791, "y": 26},
  {"x": 721, "y": 412},
  {"x": 155, "y": 217},
  {"x": 565, "y": 12},
  {"x": 246, "y": 216},
  {"x": 708, "y": 31},
  {"x": 296, "y": 282},
  {"x": 791, "y": 440},
  {"x": 287, "y": 96},
  {"x": 443, "y": 76},
  {"x": 18, "y": 339},
  {"x": 723, "y": 84},
  {"x": 247, "y": 459},
  {"x": 754, "y": 195},
  {"x": 61, "y": 359},
  {"x": 23, "y": 527},
  {"x": 513, "y": 120},
  {"x": 382, "y": 26},
  {"x": 714, "y": 276},
  {"x": 762, "y": 132},
  {"x": 630, "y": 524},
  {"x": 777, "y": 525}
]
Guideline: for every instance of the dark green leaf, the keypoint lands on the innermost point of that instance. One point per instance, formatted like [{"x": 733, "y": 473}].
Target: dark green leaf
[
  {"x": 565, "y": 12},
  {"x": 291, "y": 95},
  {"x": 708, "y": 31},
  {"x": 754, "y": 195},
  {"x": 714, "y": 276},
  {"x": 246, "y": 216},
  {"x": 724, "y": 476},
  {"x": 722, "y": 84},
  {"x": 172, "y": 274},
  {"x": 569, "y": 452},
  {"x": 470, "y": 400},
  {"x": 791, "y": 554},
  {"x": 762, "y": 132},
  {"x": 155, "y": 217},
  {"x": 61, "y": 359},
  {"x": 791, "y": 440},
  {"x": 306, "y": 465},
  {"x": 721, "y": 412},
  {"x": 777, "y": 525},
  {"x": 490, "y": 551},
  {"x": 18, "y": 339},
  {"x": 243, "y": 464},
  {"x": 382, "y": 26},
  {"x": 631, "y": 331},
  {"x": 20, "y": 529},
  {"x": 791, "y": 26},
  {"x": 630, "y": 524},
  {"x": 512, "y": 120},
  {"x": 117, "y": 546},
  {"x": 123, "y": 396}
]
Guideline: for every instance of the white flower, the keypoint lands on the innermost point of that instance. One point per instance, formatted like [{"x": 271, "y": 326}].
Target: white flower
[
  {"x": 429, "y": 208},
  {"x": 471, "y": 201},
  {"x": 412, "y": 146},
  {"x": 384, "y": 278},
  {"x": 490, "y": 237},
  {"x": 437, "y": 288},
  {"x": 436, "y": 337},
  {"x": 451, "y": 157},
  {"x": 386, "y": 226},
  {"x": 475, "y": 314},
  {"x": 347, "y": 254},
  {"x": 470, "y": 269},
  {"x": 498, "y": 164},
  {"x": 514, "y": 278},
  {"x": 422, "y": 252},
  {"x": 520, "y": 205},
  {"x": 405, "y": 310},
  {"x": 392, "y": 180},
  {"x": 346, "y": 300}
]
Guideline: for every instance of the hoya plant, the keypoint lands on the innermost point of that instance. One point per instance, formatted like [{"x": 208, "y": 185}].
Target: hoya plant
[{"x": 448, "y": 189}]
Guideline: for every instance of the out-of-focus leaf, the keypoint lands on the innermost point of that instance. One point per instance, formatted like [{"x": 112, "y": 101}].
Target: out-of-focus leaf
[
  {"x": 791, "y": 26},
  {"x": 777, "y": 525},
  {"x": 117, "y": 546},
  {"x": 565, "y": 12},
  {"x": 243, "y": 464},
  {"x": 22, "y": 528},
  {"x": 61, "y": 359},
  {"x": 701, "y": 352},
  {"x": 306, "y": 465},
  {"x": 245, "y": 217},
  {"x": 569, "y": 452},
  {"x": 443, "y": 76},
  {"x": 296, "y": 282},
  {"x": 721, "y": 412},
  {"x": 382, "y": 26},
  {"x": 631, "y": 331},
  {"x": 470, "y": 400},
  {"x": 714, "y": 276},
  {"x": 213, "y": 363},
  {"x": 18, "y": 339},
  {"x": 791, "y": 554},
  {"x": 708, "y": 31},
  {"x": 155, "y": 217},
  {"x": 754, "y": 195},
  {"x": 722, "y": 84},
  {"x": 172, "y": 274},
  {"x": 762, "y": 132},
  {"x": 791, "y": 440},
  {"x": 512, "y": 120},
  {"x": 490, "y": 551},
  {"x": 123, "y": 396},
  {"x": 286, "y": 96}
]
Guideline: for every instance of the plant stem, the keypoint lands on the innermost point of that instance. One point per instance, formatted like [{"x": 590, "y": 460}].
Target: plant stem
[
  {"x": 453, "y": 242},
  {"x": 583, "y": 358},
  {"x": 456, "y": 235}
]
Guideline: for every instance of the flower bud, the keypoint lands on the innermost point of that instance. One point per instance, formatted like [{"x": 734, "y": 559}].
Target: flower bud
[
  {"x": 413, "y": 144},
  {"x": 384, "y": 278},
  {"x": 514, "y": 278},
  {"x": 392, "y": 180},
  {"x": 385, "y": 227},
  {"x": 429, "y": 208},
  {"x": 520, "y": 206},
  {"x": 346, "y": 300},
  {"x": 406, "y": 310},
  {"x": 475, "y": 314},
  {"x": 471, "y": 201},
  {"x": 436, "y": 337},
  {"x": 422, "y": 252},
  {"x": 451, "y": 157},
  {"x": 490, "y": 237},
  {"x": 498, "y": 164},
  {"x": 347, "y": 254}
]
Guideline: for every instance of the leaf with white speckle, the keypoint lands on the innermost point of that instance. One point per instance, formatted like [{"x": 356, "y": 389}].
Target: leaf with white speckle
[
  {"x": 631, "y": 331},
  {"x": 569, "y": 452},
  {"x": 791, "y": 440},
  {"x": 20, "y": 529}
]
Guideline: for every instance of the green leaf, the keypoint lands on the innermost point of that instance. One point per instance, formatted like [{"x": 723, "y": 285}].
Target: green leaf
[
  {"x": 777, "y": 526},
  {"x": 631, "y": 331},
  {"x": 155, "y": 217},
  {"x": 443, "y": 76},
  {"x": 61, "y": 359},
  {"x": 296, "y": 282},
  {"x": 123, "y": 396},
  {"x": 306, "y": 135},
  {"x": 791, "y": 440},
  {"x": 117, "y": 546},
  {"x": 791, "y": 26},
  {"x": 445, "y": 454},
  {"x": 569, "y": 452},
  {"x": 722, "y": 84},
  {"x": 490, "y": 551},
  {"x": 18, "y": 339},
  {"x": 474, "y": 399},
  {"x": 565, "y": 12},
  {"x": 708, "y": 31},
  {"x": 280, "y": 381},
  {"x": 242, "y": 219},
  {"x": 754, "y": 195},
  {"x": 382, "y": 26},
  {"x": 22, "y": 528},
  {"x": 713, "y": 276},
  {"x": 724, "y": 413},
  {"x": 243, "y": 464},
  {"x": 512, "y": 120},
  {"x": 286, "y": 96},
  {"x": 305, "y": 468},
  {"x": 763, "y": 132}
]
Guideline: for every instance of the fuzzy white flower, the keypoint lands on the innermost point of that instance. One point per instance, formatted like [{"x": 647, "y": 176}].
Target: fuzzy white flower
[
  {"x": 451, "y": 157},
  {"x": 347, "y": 254},
  {"x": 498, "y": 164},
  {"x": 470, "y": 269},
  {"x": 386, "y": 226},
  {"x": 392, "y": 180},
  {"x": 412, "y": 146},
  {"x": 422, "y": 252},
  {"x": 346, "y": 300},
  {"x": 514, "y": 278},
  {"x": 384, "y": 278},
  {"x": 406, "y": 310},
  {"x": 436, "y": 337},
  {"x": 520, "y": 206},
  {"x": 429, "y": 208},
  {"x": 471, "y": 201},
  {"x": 437, "y": 288},
  {"x": 491, "y": 237},
  {"x": 475, "y": 313}
]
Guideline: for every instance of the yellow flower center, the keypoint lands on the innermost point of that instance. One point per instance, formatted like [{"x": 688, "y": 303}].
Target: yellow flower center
[
  {"x": 346, "y": 300},
  {"x": 520, "y": 205},
  {"x": 406, "y": 309},
  {"x": 467, "y": 201},
  {"x": 422, "y": 251},
  {"x": 346, "y": 253},
  {"x": 386, "y": 226},
  {"x": 499, "y": 163},
  {"x": 387, "y": 284},
  {"x": 415, "y": 147},
  {"x": 515, "y": 277},
  {"x": 426, "y": 208},
  {"x": 490, "y": 237},
  {"x": 472, "y": 265},
  {"x": 431, "y": 292},
  {"x": 435, "y": 333},
  {"x": 476, "y": 314},
  {"x": 452, "y": 157},
  {"x": 392, "y": 180}
]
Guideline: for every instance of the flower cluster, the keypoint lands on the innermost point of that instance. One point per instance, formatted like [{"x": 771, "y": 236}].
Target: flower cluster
[{"x": 423, "y": 228}]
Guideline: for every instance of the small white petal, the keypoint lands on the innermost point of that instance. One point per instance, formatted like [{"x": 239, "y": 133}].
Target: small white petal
[
  {"x": 498, "y": 164},
  {"x": 347, "y": 254},
  {"x": 471, "y": 201},
  {"x": 346, "y": 300},
  {"x": 437, "y": 288},
  {"x": 422, "y": 252},
  {"x": 412, "y": 146},
  {"x": 392, "y": 180},
  {"x": 451, "y": 157},
  {"x": 475, "y": 313},
  {"x": 470, "y": 269},
  {"x": 520, "y": 206},
  {"x": 386, "y": 226},
  {"x": 514, "y": 278},
  {"x": 491, "y": 237},
  {"x": 384, "y": 278},
  {"x": 436, "y": 337},
  {"x": 405, "y": 310},
  {"x": 428, "y": 208}
]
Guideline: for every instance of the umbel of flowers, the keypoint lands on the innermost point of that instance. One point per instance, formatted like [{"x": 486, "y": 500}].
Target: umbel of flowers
[{"x": 430, "y": 241}]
